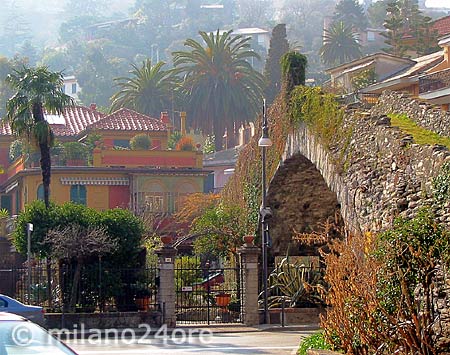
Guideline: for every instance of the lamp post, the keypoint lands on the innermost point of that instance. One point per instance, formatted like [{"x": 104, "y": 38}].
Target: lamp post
[
  {"x": 29, "y": 230},
  {"x": 264, "y": 142}
]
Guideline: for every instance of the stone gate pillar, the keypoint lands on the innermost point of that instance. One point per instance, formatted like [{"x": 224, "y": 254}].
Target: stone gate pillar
[
  {"x": 166, "y": 292},
  {"x": 249, "y": 297}
]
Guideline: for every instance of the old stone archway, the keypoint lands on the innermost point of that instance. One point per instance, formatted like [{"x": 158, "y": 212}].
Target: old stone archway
[{"x": 301, "y": 202}]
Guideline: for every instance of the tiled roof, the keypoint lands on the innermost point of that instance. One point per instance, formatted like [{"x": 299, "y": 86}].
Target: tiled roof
[
  {"x": 442, "y": 25},
  {"x": 74, "y": 120},
  {"x": 77, "y": 119},
  {"x": 128, "y": 120}
]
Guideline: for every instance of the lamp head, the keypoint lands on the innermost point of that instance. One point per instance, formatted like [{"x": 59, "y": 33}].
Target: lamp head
[{"x": 265, "y": 141}]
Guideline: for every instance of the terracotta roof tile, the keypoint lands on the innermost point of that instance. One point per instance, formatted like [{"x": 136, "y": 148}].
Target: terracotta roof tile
[
  {"x": 128, "y": 120},
  {"x": 73, "y": 121},
  {"x": 442, "y": 25}
]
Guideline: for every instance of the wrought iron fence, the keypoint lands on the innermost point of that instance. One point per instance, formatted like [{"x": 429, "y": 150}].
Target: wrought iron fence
[
  {"x": 207, "y": 293},
  {"x": 91, "y": 288}
]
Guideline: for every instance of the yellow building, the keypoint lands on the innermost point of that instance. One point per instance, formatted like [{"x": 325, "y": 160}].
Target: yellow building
[{"x": 112, "y": 175}]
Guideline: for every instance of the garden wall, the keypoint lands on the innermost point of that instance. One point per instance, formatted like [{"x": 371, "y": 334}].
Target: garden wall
[{"x": 113, "y": 320}]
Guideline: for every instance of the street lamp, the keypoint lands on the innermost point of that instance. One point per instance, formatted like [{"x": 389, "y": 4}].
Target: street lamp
[{"x": 264, "y": 142}]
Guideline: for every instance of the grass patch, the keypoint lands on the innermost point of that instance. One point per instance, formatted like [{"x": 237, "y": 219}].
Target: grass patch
[{"x": 421, "y": 135}]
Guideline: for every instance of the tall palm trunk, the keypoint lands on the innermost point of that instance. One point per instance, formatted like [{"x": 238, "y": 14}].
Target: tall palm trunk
[
  {"x": 38, "y": 115},
  {"x": 46, "y": 171}
]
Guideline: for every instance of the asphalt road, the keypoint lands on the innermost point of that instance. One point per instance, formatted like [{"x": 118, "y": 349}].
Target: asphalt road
[{"x": 258, "y": 343}]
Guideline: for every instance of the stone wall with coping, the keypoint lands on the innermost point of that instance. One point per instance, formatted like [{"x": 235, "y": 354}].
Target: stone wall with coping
[{"x": 424, "y": 114}]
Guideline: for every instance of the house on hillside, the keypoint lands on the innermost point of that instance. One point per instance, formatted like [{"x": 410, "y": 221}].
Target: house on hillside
[
  {"x": 384, "y": 65},
  {"x": 111, "y": 175},
  {"x": 428, "y": 79},
  {"x": 71, "y": 87}
]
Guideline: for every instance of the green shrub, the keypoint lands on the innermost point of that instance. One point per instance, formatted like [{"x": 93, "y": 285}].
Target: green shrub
[
  {"x": 315, "y": 341},
  {"x": 140, "y": 142},
  {"x": 75, "y": 150},
  {"x": 16, "y": 149}
]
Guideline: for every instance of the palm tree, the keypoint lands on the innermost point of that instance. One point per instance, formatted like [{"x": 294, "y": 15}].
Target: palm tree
[
  {"x": 37, "y": 90},
  {"x": 223, "y": 90},
  {"x": 148, "y": 90},
  {"x": 340, "y": 45}
]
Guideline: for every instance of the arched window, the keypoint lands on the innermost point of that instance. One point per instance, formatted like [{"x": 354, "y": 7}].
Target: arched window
[
  {"x": 78, "y": 194},
  {"x": 40, "y": 192}
]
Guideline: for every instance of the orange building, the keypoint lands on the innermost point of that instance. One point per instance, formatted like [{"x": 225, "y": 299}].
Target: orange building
[{"x": 111, "y": 175}]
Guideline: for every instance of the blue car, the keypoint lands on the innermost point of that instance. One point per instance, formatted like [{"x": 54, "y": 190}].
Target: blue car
[{"x": 33, "y": 313}]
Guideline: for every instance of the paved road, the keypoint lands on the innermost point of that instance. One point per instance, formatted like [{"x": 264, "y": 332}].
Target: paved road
[{"x": 258, "y": 343}]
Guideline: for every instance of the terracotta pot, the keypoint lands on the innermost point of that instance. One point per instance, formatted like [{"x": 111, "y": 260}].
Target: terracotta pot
[
  {"x": 223, "y": 299},
  {"x": 248, "y": 239},
  {"x": 166, "y": 239}
]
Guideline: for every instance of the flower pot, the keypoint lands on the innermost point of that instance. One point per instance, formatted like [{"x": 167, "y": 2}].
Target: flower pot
[
  {"x": 248, "y": 239},
  {"x": 223, "y": 299}
]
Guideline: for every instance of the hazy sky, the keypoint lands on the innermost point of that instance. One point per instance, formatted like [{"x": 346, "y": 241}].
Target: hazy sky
[{"x": 438, "y": 3}]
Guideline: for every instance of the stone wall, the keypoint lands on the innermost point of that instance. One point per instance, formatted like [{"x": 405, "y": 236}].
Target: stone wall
[
  {"x": 428, "y": 116},
  {"x": 381, "y": 174}
]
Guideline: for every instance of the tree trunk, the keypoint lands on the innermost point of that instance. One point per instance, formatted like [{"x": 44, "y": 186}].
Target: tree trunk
[
  {"x": 46, "y": 171},
  {"x": 76, "y": 281},
  {"x": 44, "y": 147},
  {"x": 218, "y": 139}
]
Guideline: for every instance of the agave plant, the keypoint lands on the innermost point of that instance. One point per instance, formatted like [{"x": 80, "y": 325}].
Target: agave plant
[{"x": 294, "y": 284}]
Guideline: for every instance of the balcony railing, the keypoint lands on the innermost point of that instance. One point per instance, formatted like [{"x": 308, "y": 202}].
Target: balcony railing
[{"x": 435, "y": 81}]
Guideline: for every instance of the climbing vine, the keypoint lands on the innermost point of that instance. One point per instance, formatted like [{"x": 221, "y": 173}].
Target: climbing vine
[{"x": 441, "y": 185}]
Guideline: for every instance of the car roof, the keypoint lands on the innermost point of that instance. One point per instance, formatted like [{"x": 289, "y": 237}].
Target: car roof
[{"x": 4, "y": 316}]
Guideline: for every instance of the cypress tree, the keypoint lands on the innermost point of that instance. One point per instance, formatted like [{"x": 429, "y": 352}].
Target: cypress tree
[{"x": 279, "y": 45}]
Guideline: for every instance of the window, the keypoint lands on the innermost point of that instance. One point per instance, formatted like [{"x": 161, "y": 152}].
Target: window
[
  {"x": 74, "y": 88},
  {"x": 123, "y": 143},
  {"x": 3, "y": 303},
  {"x": 154, "y": 203},
  {"x": 40, "y": 192},
  {"x": 370, "y": 36},
  {"x": 78, "y": 194}
]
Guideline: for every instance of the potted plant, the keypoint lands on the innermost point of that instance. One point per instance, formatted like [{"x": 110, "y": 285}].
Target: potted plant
[{"x": 4, "y": 215}]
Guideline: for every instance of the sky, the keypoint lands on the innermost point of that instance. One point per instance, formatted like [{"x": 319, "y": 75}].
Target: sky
[{"x": 438, "y": 3}]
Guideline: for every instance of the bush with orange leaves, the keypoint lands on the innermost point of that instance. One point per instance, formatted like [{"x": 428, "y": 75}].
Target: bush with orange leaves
[
  {"x": 383, "y": 290},
  {"x": 185, "y": 143}
]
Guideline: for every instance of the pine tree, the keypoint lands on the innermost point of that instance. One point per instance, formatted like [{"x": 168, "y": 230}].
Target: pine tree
[
  {"x": 279, "y": 45},
  {"x": 351, "y": 13},
  {"x": 394, "y": 24}
]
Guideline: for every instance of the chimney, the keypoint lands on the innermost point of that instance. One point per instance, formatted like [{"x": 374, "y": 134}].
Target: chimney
[
  {"x": 165, "y": 117},
  {"x": 93, "y": 106}
]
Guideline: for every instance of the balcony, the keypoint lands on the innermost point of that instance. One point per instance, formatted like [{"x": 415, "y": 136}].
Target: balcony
[
  {"x": 148, "y": 158},
  {"x": 434, "y": 82}
]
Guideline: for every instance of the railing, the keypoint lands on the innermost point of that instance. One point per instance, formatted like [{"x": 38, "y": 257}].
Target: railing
[
  {"x": 115, "y": 158},
  {"x": 435, "y": 81},
  {"x": 98, "y": 289}
]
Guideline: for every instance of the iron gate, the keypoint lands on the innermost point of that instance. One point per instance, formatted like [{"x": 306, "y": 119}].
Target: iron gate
[{"x": 207, "y": 292}]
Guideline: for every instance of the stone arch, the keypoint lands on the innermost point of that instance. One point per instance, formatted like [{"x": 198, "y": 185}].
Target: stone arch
[{"x": 301, "y": 201}]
